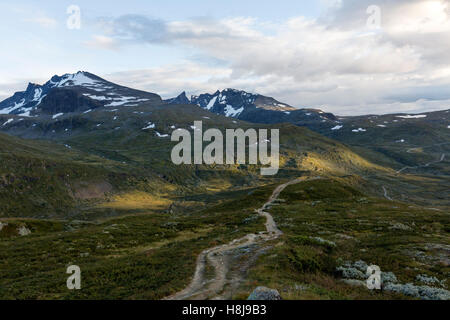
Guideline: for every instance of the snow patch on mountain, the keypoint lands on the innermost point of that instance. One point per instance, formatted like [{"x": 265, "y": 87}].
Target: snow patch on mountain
[
  {"x": 149, "y": 126},
  {"x": 419, "y": 116},
  {"x": 231, "y": 112},
  {"x": 77, "y": 79},
  {"x": 211, "y": 103},
  {"x": 7, "y": 121}
]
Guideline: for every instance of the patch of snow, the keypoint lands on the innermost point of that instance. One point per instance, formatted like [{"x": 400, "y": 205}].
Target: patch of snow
[
  {"x": 359, "y": 130},
  {"x": 161, "y": 135},
  {"x": 77, "y": 79},
  {"x": 149, "y": 126},
  {"x": 419, "y": 116},
  {"x": 211, "y": 103},
  {"x": 337, "y": 128},
  {"x": 87, "y": 111},
  {"x": 16, "y": 106},
  {"x": 231, "y": 112},
  {"x": 222, "y": 99},
  {"x": 7, "y": 121},
  {"x": 287, "y": 112},
  {"x": 57, "y": 115},
  {"x": 99, "y": 98},
  {"x": 26, "y": 113},
  {"x": 381, "y": 126},
  {"x": 37, "y": 94}
]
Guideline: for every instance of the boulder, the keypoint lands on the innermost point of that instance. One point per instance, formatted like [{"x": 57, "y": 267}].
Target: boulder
[{"x": 263, "y": 293}]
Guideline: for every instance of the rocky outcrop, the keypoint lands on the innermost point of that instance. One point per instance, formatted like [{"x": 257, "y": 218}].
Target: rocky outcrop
[{"x": 264, "y": 293}]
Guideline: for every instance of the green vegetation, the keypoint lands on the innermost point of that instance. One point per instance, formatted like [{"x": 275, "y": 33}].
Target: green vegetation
[
  {"x": 327, "y": 223},
  {"x": 145, "y": 256}
]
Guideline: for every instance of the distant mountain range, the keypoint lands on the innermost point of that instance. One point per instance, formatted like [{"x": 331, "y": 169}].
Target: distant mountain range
[
  {"x": 70, "y": 95},
  {"x": 86, "y": 176}
]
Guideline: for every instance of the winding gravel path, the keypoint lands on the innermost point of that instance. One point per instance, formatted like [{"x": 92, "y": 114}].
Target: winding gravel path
[
  {"x": 200, "y": 287},
  {"x": 423, "y": 166}
]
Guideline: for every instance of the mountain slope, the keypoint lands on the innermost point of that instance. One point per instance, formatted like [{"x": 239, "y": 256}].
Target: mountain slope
[
  {"x": 137, "y": 136},
  {"x": 255, "y": 108},
  {"x": 81, "y": 91}
]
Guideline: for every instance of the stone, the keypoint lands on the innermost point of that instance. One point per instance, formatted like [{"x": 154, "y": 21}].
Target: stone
[{"x": 264, "y": 293}]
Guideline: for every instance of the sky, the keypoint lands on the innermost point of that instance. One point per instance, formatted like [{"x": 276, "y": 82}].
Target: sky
[{"x": 348, "y": 57}]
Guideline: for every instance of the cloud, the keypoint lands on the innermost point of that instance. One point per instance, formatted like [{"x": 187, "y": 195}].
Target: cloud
[
  {"x": 42, "y": 20},
  {"x": 334, "y": 61},
  {"x": 102, "y": 42}
]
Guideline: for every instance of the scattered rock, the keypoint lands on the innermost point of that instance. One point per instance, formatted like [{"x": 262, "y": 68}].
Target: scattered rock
[
  {"x": 264, "y": 293},
  {"x": 361, "y": 266},
  {"x": 400, "y": 226},
  {"x": 421, "y": 292},
  {"x": 351, "y": 273},
  {"x": 23, "y": 231},
  {"x": 428, "y": 279},
  {"x": 388, "y": 277},
  {"x": 344, "y": 236},
  {"x": 301, "y": 287},
  {"x": 355, "y": 283},
  {"x": 2, "y": 225},
  {"x": 323, "y": 241}
]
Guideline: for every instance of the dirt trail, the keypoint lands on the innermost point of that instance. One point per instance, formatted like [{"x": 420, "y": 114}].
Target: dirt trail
[
  {"x": 218, "y": 257},
  {"x": 423, "y": 166},
  {"x": 386, "y": 194}
]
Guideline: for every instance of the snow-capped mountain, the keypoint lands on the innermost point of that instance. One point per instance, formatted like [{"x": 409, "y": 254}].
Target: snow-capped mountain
[
  {"x": 233, "y": 103},
  {"x": 80, "y": 91},
  {"x": 254, "y": 108}
]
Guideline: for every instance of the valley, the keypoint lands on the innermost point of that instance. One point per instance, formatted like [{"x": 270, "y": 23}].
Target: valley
[{"x": 86, "y": 178}]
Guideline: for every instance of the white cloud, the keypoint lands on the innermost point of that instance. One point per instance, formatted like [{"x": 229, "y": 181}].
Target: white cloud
[
  {"x": 102, "y": 42},
  {"x": 333, "y": 61},
  {"x": 42, "y": 20}
]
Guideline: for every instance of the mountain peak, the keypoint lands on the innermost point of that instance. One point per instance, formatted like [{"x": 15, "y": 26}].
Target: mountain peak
[
  {"x": 180, "y": 99},
  {"x": 73, "y": 92},
  {"x": 233, "y": 103}
]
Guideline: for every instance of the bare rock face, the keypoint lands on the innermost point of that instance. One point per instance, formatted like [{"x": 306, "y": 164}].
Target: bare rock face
[{"x": 263, "y": 293}]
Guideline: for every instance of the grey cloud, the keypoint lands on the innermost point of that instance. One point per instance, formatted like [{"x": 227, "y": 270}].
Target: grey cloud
[
  {"x": 412, "y": 94},
  {"x": 136, "y": 28},
  {"x": 142, "y": 29},
  {"x": 333, "y": 61}
]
